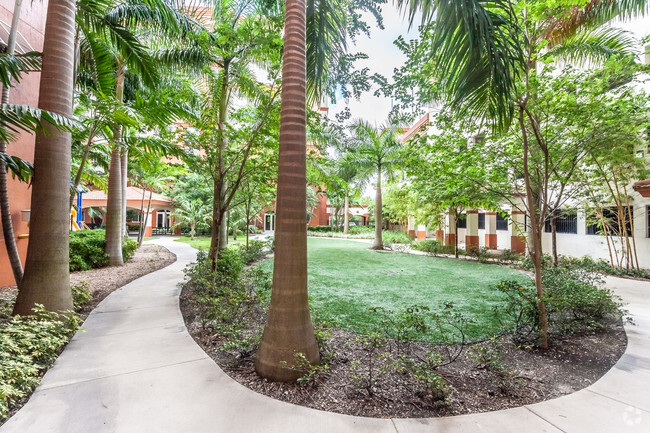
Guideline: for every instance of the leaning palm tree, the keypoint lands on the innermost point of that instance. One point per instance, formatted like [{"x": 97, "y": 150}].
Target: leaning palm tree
[
  {"x": 486, "y": 55},
  {"x": 47, "y": 274},
  {"x": 376, "y": 151},
  {"x": 288, "y": 329}
]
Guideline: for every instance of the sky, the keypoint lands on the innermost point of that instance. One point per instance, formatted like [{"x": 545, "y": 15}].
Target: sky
[{"x": 383, "y": 57}]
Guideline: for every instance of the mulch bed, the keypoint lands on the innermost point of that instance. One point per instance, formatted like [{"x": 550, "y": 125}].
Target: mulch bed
[{"x": 523, "y": 376}]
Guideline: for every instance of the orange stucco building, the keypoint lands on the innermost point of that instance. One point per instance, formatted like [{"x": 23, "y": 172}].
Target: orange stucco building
[{"x": 31, "y": 29}]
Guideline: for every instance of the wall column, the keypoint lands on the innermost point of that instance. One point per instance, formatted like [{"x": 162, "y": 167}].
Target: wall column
[
  {"x": 148, "y": 228},
  {"x": 411, "y": 226},
  {"x": 518, "y": 229},
  {"x": 491, "y": 230},
  {"x": 471, "y": 233},
  {"x": 421, "y": 232},
  {"x": 450, "y": 235}
]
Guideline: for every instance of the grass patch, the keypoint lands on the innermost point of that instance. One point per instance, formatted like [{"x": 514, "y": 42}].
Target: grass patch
[
  {"x": 203, "y": 243},
  {"x": 346, "y": 280}
]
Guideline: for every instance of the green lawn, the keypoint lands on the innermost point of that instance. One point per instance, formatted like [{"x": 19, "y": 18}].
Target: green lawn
[
  {"x": 346, "y": 279},
  {"x": 203, "y": 243}
]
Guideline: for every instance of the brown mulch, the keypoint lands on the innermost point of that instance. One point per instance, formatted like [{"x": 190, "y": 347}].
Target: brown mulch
[{"x": 523, "y": 376}]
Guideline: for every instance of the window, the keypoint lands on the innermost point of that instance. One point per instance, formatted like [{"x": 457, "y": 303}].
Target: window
[
  {"x": 502, "y": 222},
  {"x": 565, "y": 222},
  {"x": 481, "y": 221},
  {"x": 461, "y": 221},
  {"x": 610, "y": 217}
]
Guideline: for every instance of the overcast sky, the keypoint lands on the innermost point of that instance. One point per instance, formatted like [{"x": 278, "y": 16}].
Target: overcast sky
[{"x": 384, "y": 57}]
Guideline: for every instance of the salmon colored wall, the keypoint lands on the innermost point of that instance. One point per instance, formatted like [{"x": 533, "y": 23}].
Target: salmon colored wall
[{"x": 31, "y": 26}]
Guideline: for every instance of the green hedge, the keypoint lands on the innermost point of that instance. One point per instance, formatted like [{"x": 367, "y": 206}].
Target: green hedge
[{"x": 87, "y": 250}]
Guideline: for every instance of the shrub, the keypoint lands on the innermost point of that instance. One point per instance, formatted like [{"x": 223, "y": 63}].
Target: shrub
[
  {"x": 396, "y": 237},
  {"x": 575, "y": 302},
  {"x": 509, "y": 256},
  {"x": 357, "y": 230},
  {"x": 27, "y": 346},
  {"x": 254, "y": 251},
  {"x": 482, "y": 254},
  {"x": 320, "y": 229},
  {"x": 133, "y": 227},
  {"x": 128, "y": 249},
  {"x": 81, "y": 295},
  {"x": 87, "y": 250},
  {"x": 428, "y": 246}
]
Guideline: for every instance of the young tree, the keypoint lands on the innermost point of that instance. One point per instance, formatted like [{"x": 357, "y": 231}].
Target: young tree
[{"x": 486, "y": 59}]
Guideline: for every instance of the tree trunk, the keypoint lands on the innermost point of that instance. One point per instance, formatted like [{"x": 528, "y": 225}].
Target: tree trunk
[
  {"x": 114, "y": 210},
  {"x": 124, "y": 169},
  {"x": 114, "y": 223},
  {"x": 378, "y": 243},
  {"x": 47, "y": 269},
  {"x": 141, "y": 229},
  {"x": 346, "y": 216},
  {"x": 217, "y": 217},
  {"x": 536, "y": 235},
  {"x": 289, "y": 329},
  {"x": 5, "y": 211},
  {"x": 146, "y": 218}
]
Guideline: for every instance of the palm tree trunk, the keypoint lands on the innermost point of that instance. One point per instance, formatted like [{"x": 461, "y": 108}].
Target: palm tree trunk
[
  {"x": 5, "y": 211},
  {"x": 288, "y": 329},
  {"x": 47, "y": 269},
  {"x": 378, "y": 243},
  {"x": 115, "y": 188},
  {"x": 124, "y": 170},
  {"x": 114, "y": 210}
]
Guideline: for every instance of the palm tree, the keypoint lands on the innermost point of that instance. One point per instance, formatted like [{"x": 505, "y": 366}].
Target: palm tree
[
  {"x": 289, "y": 329},
  {"x": 486, "y": 58},
  {"x": 47, "y": 276},
  {"x": 192, "y": 213},
  {"x": 376, "y": 151}
]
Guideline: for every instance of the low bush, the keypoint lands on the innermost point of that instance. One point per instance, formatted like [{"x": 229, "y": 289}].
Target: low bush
[
  {"x": 87, "y": 250},
  {"x": 254, "y": 251},
  {"x": 357, "y": 230},
  {"x": 395, "y": 237},
  {"x": 133, "y": 227},
  {"x": 28, "y": 345},
  {"x": 433, "y": 248},
  {"x": 81, "y": 295},
  {"x": 320, "y": 229},
  {"x": 482, "y": 254},
  {"x": 575, "y": 302}
]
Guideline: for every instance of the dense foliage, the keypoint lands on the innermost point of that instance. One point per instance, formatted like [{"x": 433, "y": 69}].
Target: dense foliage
[{"x": 87, "y": 250}]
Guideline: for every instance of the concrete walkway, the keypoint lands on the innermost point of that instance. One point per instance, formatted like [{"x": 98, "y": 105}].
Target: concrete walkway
[{"x": 134, "y": 368}]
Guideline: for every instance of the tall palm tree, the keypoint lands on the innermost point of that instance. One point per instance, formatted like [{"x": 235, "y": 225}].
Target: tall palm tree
[
  {"x": 47, "y": 279},
  {"x": 289, "y": 329},
  {"x": 376, "y": 151},
  {"x": 486, "y": 59}
]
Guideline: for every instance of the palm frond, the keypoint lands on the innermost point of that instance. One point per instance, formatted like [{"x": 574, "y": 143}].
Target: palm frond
[
  {"x": 26, "y": 118},
  {"x": 594, "y": 46},
  {"x": 20, "y": 169},
  {"x": 12, "y": 66}
]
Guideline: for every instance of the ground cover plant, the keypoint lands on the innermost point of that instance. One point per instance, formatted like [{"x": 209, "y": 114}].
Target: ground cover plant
[
  {"x": 384, "y": 368},
  {"x": 203, "y": 243}
]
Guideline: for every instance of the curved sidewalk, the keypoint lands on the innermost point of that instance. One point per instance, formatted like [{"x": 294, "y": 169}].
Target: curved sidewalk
[{"x": 134, "y": 368}]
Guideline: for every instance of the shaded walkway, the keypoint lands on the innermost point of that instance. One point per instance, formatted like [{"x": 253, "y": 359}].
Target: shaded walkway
[{"x": 134, "y": 368}]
